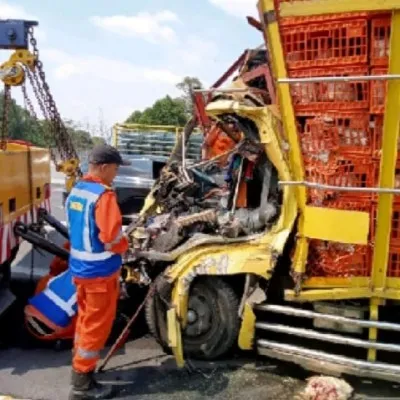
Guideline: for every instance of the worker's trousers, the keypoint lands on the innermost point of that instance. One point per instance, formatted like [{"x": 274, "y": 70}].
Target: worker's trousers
[
  {"x": 97, "y": 304},
  {"x": 57, "y": 333}
]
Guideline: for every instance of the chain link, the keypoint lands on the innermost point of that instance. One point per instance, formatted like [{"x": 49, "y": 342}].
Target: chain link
[
  {"x": 4, "y": 125},
  {"x": 48, "y": 128},
  {"x": 28, "y": 102},
  {"x": 38, "y": 92},
  {"x": 61, "y": 136},
  {"x": 29, "y": 107}
]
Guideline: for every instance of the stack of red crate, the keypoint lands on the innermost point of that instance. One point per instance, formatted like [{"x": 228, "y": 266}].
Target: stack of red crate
[
  {"x": 336, "y": 118},
  {"x": 379, "y": 60}
]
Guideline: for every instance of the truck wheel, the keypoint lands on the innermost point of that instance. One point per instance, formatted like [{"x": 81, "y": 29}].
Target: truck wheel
[{"x": 213, "y": 321}]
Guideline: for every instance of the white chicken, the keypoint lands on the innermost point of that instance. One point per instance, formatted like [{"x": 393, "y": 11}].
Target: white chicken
[{"x": 326, "y": 388}]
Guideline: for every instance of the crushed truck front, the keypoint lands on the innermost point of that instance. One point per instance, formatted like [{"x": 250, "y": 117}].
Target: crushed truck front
[{"x": 311, "y": 281}]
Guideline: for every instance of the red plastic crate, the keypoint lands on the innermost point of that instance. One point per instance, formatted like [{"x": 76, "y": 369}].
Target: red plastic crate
[
  {"x": 327, "y": 96},
  {"x": 395, "y": 232},
  {"x": 330, "y": 259},
  {"x": 349, "y": 204},
  {"x": 380, "y": 40},
  {"x": 378, "y": 92},
  {"x": 340, "y": 171},
  {"x": 396, "y": 198},
  {"x": 344, "y": 133},
  {"x": 317, "y": 144},
  {"x": 376, "y": 126},
  {"x": 328, "y": 44},
  {"x": 296, "y": 21},
  {"x": 394, "y": 262}
]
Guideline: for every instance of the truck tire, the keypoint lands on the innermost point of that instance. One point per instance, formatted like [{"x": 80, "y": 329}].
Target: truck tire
[{"x": 213, "y": 321}]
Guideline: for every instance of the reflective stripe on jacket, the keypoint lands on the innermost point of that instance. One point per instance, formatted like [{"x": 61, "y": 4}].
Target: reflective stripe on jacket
[
  {"x": 89, "y": 257},
  {"x": 57, "y": 303}
]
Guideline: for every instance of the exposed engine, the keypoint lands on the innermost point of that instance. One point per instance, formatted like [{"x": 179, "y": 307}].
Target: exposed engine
[
  {"x": 229, "y": 196},
  {"x": 204, "y": 199}
]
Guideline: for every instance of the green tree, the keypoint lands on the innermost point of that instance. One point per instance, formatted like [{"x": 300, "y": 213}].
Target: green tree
[
  {"x": 23, "y": 126},
  {"x": 187, "y": 86},
  {"x": 80, "y": 137},
  {"x": 98, "y": 140},
  {"x": 169, "y": 111},
  {"x": 134, "y": 117},
  {"x": 165, "y": 111}
]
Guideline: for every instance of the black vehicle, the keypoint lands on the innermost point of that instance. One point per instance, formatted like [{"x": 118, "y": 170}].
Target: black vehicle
[
  {"x": 133, "y": 183},
  {"x": 148, "y": 148}
]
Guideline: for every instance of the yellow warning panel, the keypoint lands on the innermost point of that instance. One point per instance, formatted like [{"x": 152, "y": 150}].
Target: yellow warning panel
[{"x": 342, "y": 226}]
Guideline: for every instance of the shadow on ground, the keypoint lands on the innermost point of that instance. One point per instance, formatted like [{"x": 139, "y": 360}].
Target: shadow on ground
[
  {"x": 233, "y": 379},
  {"x": 140, "y": 370}
]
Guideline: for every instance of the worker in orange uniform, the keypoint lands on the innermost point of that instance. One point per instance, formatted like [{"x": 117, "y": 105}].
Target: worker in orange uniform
[
  {"x": 216, "y": 143},
  {"x": 97, "y": 243},
  {"x": 45, "y": 316},
  {"x": 57, "y": 266}
]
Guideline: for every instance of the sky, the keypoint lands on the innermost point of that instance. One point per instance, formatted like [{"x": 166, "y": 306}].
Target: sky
[{"x": 106, "y": 58}]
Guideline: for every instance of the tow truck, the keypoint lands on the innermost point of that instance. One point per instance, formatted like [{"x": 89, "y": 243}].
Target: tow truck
[
  {"x": 24, "y": 168},
  {"x": 315, "y": 280}
]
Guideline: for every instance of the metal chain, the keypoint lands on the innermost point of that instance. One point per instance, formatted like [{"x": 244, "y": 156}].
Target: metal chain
[
  {"x": 43, "y": 100},
  {"x": 63, "y": 140},
  {"x": 52, "y": 123},
  {"x": 6, "y": 108},
  {"x": 37, "y": 90},
  {"x": 48, "y": 130},
  {"x": 29, "y": 107},
  {"x": 28, "y": 102}
]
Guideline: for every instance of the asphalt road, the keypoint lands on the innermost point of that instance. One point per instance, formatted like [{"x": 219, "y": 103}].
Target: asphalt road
[{"x": 142, "y": 371}]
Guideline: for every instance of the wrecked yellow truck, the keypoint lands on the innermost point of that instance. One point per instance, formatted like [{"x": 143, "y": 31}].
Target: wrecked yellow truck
[{"x": 284, "y": 240}]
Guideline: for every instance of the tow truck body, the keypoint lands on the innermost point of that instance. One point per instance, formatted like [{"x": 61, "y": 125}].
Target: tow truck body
[
  {"x": 24, "y": 168},
  {"x": 25, "y": 188}
]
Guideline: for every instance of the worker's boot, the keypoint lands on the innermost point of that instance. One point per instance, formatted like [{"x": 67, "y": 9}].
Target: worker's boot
[{"x": 85, "y": 387}]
